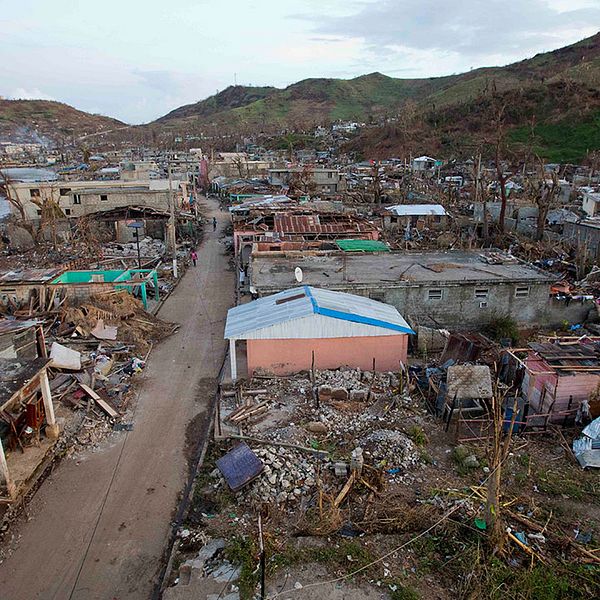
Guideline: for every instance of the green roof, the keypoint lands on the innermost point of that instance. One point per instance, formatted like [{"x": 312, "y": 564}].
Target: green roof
[{"x": 362, "y": 246}]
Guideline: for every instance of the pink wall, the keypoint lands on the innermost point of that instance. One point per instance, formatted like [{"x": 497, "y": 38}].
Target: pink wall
[{"x": 283, "y": 357}]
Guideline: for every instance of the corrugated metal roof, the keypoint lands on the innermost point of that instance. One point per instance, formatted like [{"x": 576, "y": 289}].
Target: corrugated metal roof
[
  {"x": 307, "y": 312},
  {"x": 315, "y": 223},
  {"x": 30, "y": 275},
  {"x": 13, "y": 326},
  {"x": 417, "y": 210}
]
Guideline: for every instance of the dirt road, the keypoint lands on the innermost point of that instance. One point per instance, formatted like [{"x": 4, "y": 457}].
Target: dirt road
[{"x": 98, "y": 526}]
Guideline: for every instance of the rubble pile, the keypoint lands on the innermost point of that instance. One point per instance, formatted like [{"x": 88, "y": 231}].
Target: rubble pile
[
  {"x": 288, "y": 475},
  {"x": 392, "y": 448},
  {"x": 149, "y": 247},
  {"x": 121, "y": 310}
]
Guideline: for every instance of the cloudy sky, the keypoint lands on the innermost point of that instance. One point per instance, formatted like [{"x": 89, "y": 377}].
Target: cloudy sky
[{"x": 136, "y": 60}]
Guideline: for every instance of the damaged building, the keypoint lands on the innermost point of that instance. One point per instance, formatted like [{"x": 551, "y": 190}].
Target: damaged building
[{"x": 457, "y": 289}]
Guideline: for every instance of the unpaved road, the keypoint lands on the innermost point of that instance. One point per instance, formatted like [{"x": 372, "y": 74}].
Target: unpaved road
[{"x": 98, "y": 526}]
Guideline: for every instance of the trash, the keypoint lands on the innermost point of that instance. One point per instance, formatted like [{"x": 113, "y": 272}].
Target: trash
[
  {"x": 480, "y": 524},
  {"x": 62, "y": 357},
  {"x": 240, "y": 466},
  {"x": 103, "y": 365},
  {"x": 123, "y": 427},
  {"x": 104, "y": 332}
]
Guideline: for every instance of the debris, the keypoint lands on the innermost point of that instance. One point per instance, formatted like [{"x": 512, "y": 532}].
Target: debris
[
  {"x": 104, "y": 332},
  {"x": 111, "y": 412},
  {"x": 240, "y": 466},
  {"x": 62, "y": 357}
]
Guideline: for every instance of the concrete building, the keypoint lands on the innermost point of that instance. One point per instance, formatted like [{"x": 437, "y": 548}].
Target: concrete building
[
  {"x": 79, "y": 198},
  {"x": 415, "y": 215},
  {"x": 424, "y": 163},
  {"x": 454, "y": 289},
  {"x": 306, "y": 326},
  {"x": 585, "y": 235},
  {"x": 590, "y": 203},
  {"x": 323, "y": 182}
]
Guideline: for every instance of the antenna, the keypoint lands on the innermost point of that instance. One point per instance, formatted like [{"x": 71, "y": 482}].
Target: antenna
[
  {"x": 235, "y": 79},
  {"x": 298, "y": 274}
]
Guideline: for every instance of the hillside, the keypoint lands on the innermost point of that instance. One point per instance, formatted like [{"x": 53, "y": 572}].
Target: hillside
[
  {"x": 230, "y": 98},
  {"x": 48, "y": 121},
  {"x": 371, "y": 96}
]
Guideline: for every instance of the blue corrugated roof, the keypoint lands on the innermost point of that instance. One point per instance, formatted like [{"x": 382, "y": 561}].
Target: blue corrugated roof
[{"x": 300, "y": 302}]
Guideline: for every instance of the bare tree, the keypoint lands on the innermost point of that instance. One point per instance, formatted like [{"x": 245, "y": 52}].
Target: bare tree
[
  {"x": 50, "y": 211},
  {"x": 8, "y": 191},
  {"x": 498, "y": 450},
  {"x": 543, "y": 188}
]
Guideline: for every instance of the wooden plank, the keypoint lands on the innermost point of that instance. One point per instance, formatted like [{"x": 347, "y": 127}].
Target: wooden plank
[{"x": 109, "y": 410}]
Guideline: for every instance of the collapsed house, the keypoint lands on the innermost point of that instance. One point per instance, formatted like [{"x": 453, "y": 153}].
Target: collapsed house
[
  {"x": 557, "y": 380},
  {"x": 28, "y": 427},
  {"x": 305, "y": 328},
  {"x": 297, "y": 226}
]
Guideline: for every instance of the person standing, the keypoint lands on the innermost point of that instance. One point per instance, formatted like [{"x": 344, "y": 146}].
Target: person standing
[
  {"x": 214, "y": 223},
  {"x": 194, "y": 257}
]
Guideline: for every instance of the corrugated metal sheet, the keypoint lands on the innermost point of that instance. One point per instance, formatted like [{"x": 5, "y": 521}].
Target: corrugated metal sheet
[
  {"x": 417, "y": 210},
  {"x": 469, "y": 382},
  {"x": 308, "y": 312},
  {"x": 30, "y": 275},
  {"x": 13, "y": 326},
  {"x": 315, "y": 223}
]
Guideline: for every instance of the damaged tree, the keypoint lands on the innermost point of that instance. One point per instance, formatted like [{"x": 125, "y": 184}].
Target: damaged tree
[
  {"x": 7, "y": 191},
  {"x": 543, "y": 189}
]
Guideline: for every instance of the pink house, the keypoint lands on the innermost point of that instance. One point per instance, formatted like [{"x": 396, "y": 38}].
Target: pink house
[{"x": 286, "y": 332}]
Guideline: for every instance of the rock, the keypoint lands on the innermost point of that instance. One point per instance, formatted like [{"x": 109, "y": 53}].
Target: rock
[
  {"x": 340, "y": 393},
  {"x": 316, "y": 427},
  {"x": 324, "y": 392},
  {"x": 358, "y": 395},
  {"x": 341, "y": 469}
]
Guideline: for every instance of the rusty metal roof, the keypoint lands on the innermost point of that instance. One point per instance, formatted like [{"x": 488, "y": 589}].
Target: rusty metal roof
[
  {"x": 30, "y": 275},
  {"x": 314, "y": 223}
]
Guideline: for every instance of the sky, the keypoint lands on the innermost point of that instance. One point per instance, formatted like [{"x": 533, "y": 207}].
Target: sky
[{"x": 136, "y": 60}]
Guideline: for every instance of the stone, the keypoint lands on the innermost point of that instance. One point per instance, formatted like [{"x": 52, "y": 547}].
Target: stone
[
  {"x": 19, "y": 238},
  {"x": 339, "y": 393},
  {"x": 341, "y": 469},
  {"x": 324, "y": 392},
  {"x": 316, "y": 427},
  {"x": 358, "y": 395}
]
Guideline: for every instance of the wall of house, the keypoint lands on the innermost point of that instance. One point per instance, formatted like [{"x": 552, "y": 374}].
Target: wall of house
[
  {"x": 584, "y": 237},
  {"x": 287, "y": 356}
]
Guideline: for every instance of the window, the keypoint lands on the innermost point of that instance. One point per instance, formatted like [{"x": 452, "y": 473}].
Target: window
[
  {"x": 522, "y": 292},
  {"x": 67, "y": 211},
  {"x": 435, "y": 294},
  {"x": 39, "y": 212},
  {"x": 64, "y": 191},
  {"x": 483, "y": 304},
  {"x": 330, "y": 175},
  {"x": 76, "y": 199},
  {"x": 103, "y": 197},
  {"x": 34, "y": 193},
  {"x": 481, "y": 293}
]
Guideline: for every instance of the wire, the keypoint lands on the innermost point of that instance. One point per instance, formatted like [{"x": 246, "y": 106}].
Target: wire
[{"x": 397, "y": 549}]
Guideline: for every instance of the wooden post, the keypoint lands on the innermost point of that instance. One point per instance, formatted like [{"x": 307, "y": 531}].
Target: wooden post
[
  {"x": 51, "y": 427},
  {"x": 233, "y": 360},
  {"x": 10, "y": 486}
]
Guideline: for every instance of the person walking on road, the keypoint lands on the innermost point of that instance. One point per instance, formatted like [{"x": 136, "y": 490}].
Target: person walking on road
[
  {"x": 214, "y": 223},
  {"x": 194, "y": 257}
]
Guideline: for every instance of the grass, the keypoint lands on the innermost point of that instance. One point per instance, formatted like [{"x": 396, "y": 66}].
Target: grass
[
  {"x": 417, "y": 435},
  {"x": 566, "y": 141}
]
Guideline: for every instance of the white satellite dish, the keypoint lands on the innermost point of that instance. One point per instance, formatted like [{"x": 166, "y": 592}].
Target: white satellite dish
[{"x": 298, "y": 274}]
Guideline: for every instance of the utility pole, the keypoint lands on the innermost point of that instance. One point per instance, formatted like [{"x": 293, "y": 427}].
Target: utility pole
[{"x": 172, "y": 233}]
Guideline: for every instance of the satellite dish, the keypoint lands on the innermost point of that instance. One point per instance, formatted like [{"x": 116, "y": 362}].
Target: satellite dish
[{"x": 298, "y": 274}]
